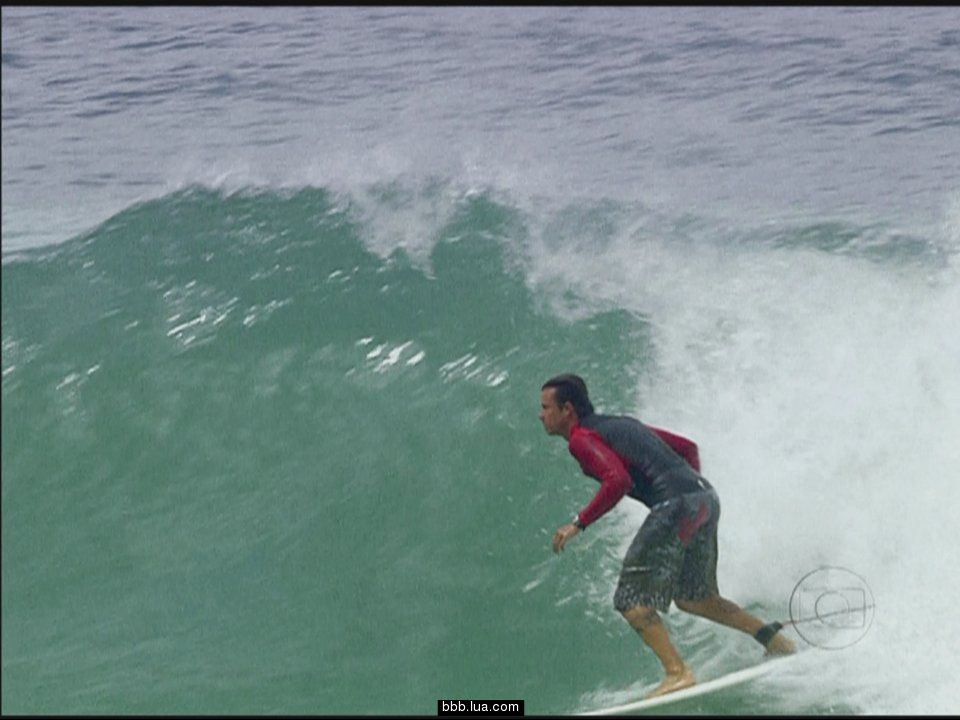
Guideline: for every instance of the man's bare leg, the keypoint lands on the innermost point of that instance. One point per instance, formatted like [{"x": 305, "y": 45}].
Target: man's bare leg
[
  {"x": 728, "y": 613},
  {"x": 647, "y": 623}
]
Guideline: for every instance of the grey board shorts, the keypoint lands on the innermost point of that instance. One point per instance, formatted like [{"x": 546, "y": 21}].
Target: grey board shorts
[{"x": 674, "y": 554}]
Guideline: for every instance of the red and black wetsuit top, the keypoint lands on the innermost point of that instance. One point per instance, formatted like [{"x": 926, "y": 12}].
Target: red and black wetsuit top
[{"x": 630, "y": 458}]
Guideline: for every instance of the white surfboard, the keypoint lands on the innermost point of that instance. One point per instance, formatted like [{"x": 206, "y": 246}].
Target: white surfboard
[{"x": 725, "y": 681}]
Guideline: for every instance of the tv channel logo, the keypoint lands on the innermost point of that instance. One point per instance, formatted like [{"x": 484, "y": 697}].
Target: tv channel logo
[{"x": 832, "y": 607}]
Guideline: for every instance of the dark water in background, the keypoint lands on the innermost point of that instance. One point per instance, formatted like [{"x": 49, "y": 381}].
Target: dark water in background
[
  {"x": 280, "y": 287},
  {"x": 742, "y": 112}
]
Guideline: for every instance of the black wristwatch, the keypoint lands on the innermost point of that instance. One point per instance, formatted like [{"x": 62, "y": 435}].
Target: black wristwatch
[{"x": 578, "y": 522}]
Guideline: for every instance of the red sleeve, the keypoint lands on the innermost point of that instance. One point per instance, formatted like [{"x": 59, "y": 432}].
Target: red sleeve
[
  {"x": 598, "y": 460},
  {"x": 687, "y": 449}
]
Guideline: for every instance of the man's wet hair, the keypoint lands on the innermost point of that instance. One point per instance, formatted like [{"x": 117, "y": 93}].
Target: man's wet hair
[{"x": 570, "y": 388}]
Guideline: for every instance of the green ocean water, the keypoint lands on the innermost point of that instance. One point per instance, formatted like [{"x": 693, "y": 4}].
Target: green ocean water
[
  {"x": 251, "y": 467},
  {"x": 265, "y": 454}
]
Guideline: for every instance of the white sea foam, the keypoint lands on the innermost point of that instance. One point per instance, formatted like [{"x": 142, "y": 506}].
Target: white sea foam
[{"x": 823, "y": 390}]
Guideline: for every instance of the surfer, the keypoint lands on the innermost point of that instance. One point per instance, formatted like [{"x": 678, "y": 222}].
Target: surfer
[{"x": 674, "y": 554}]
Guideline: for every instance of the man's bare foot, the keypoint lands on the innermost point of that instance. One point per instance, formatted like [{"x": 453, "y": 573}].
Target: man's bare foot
[
  {"x": 674, "y": 682},
  {"x": 780, "y": 645}
]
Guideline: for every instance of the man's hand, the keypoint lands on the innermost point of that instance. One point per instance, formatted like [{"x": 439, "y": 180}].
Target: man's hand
[{"x": 564, "y": 534}]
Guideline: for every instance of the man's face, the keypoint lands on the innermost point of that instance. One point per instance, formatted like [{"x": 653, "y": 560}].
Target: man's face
[{"x": 553, "y": 417}]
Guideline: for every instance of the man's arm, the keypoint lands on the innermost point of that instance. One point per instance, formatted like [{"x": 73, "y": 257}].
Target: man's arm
[
  {"x": 685, "y": 448},
  {"x": 598, "y": 460}
]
